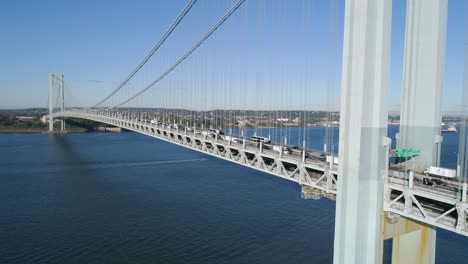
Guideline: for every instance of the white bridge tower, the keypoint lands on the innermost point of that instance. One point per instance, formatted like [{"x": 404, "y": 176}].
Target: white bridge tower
[{"x": 56, "y": 79}]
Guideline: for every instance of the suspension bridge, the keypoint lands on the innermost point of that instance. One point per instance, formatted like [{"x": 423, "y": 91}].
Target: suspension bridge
[{"x": 188, "y": 100}]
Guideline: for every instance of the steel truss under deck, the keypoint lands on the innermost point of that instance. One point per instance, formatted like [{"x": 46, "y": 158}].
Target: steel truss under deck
[{"x": 431, "y": 205}]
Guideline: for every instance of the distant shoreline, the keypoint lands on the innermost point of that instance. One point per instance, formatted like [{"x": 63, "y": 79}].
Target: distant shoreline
[
  {"x": 22, "y": 131},
  {"x": 2, "y": 130}
]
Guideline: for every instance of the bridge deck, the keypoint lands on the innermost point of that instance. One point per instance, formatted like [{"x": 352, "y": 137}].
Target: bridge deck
[{"x": 436, "y": 205}]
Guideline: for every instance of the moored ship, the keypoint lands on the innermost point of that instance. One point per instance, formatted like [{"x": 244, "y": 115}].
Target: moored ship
[{"x": 450, "y": 129}]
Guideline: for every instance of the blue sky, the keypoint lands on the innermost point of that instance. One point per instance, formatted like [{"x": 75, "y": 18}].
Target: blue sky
[{"x": 283, "y": 47}]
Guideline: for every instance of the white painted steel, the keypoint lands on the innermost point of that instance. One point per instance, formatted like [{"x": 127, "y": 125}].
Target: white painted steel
[
  {"x": 421, "y": 101},
  {"x": 62, "y": 100},
  {"x": 363, "y": 162},
  {"x": 325, "y": 181},
  {"x": 423, "y": 76},
  {"x": 51, "y": 102}
]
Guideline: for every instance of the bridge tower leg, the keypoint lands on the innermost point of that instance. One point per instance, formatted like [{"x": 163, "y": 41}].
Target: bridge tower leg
[
  {"x": 51, "y": 102},
  {"x": 420, "y": 118},
  {"x": 423, "y": 77},
  {"x": 62, "y": 101},
  {"x": 463, "y": 142},
  {"x": 363, "y": 132},
  {"x": 53, "y": 78}
]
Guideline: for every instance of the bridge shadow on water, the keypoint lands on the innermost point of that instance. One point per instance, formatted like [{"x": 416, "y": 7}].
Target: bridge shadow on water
[{"x": 192, "y": 211}]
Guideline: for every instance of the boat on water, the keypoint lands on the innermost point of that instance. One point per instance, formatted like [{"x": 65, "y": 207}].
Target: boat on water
[{"x": 450, "y": 129}]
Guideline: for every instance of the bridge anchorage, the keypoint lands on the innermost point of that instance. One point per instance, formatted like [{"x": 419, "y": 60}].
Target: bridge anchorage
[{"x": 375, "y": 201}]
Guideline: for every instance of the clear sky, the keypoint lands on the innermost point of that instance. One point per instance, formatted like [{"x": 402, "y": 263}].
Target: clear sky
[{"x": 287, "y": 48}]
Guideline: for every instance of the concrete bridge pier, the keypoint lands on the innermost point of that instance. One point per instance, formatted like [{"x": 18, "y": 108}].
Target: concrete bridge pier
[{"x": 413, "y": 242}]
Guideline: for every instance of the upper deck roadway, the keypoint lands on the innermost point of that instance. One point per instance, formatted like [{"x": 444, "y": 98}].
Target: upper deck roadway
[{"x": 442, "y": 206}]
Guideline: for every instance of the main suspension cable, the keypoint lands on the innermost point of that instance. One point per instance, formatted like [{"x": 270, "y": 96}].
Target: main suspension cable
[
  {"x": 198, "y": 44},
  {"x": 155, "y": 48}
]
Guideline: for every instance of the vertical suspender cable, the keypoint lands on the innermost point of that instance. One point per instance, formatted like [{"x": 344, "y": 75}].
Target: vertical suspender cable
[{"x": 168, "y": 32}]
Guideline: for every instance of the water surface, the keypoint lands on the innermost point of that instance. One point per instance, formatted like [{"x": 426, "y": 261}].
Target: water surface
[{"x": 129, "y": 198}]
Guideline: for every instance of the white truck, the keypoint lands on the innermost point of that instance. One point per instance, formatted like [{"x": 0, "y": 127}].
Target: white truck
[
  {"x": 332, "y": 158},
  {"x": 261, "y": 139},
  {"x": 441, "y": 172},
  {"x": 280, "y": 149},
  {"x": 232, "y": 139}
]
